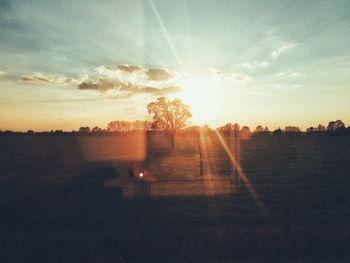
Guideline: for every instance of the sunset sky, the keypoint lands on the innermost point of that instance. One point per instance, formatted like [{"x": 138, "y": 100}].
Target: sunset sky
[{"x": 66, "y": 64}]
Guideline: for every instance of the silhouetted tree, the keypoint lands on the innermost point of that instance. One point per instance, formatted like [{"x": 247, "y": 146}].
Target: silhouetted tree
[
  {"x": 128, "y": 126},
  {"x": 259, "y": 128},
  {"x": 96, "y": 129},
  {"x": 321, "y": 128},
  {"x": 169, "y": 115},
  {"x": 229, "y": 129},
  {"x": 84, "y": 130},
  {"x": 225, "y": 129},
  {"x": 336, "y": 126},
  {"x": 8, "y": 132},
  {"x": 60, "y": 132},
  {"x": 292, "y": 129},
  {"x": 277, "y": 131},
  {"x": 318, "y": 129},
  {"x": 245, "y": 133},
  {"x": 118, "y": 126},
  {"x": 141, "y": 125},
  {"x": 310, "y": 130}
]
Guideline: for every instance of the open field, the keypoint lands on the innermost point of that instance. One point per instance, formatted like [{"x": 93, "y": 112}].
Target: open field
[{"x": 55, "y": 207}]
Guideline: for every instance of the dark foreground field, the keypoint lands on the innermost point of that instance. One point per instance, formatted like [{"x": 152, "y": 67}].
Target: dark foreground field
[{"x": 54, "y": 206}]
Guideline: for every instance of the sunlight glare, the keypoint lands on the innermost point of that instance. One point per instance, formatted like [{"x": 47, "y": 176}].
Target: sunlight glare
[{"x": 201, "y": 93}]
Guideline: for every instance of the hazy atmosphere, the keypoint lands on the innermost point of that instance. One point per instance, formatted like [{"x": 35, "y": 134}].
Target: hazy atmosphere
[
  {"x": 66, "y": 64},
  {"x": 209, "y": 131}
]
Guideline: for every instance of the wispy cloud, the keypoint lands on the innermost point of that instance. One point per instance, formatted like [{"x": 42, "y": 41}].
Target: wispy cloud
[
  {"x": 126, "y": 90},
  {"x": 255, "y": 64},
  {"x": 127, "y": 68},
  {"x": 40, "y": 79},
  {"x": 132, "y": 73},
  {"x": 124, "y": 80},
  {"x": 65, "y": 100},
  {"x": 221, "y": 75},
  {"x": 8, "y": 77},
  {"x": 288, "y": 74},
  {"x": 283, "y": 48}
]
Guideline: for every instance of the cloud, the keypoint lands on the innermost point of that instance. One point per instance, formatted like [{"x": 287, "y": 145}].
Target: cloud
[
  {"x": 124, "y": 80},
  {"x": 42, "y": 79},
  {"x": 282, "y": 49},
  {"x": 128, "y": 68},
  {"x": 220, "y": 75},
  {"x": 65, "y": 100},
  {"x": 121, "y": 70},
  {"x": 255, "y": 64},
  {"x": 36, "y": 79},
  {"x": 151, "y": 90},
  {"x": 158, "y": 74},
  {"x": 134, "y": 73},
  {"x": 8, "y": 77},
  {"x": 287, "y": 74},
  {"x": 39, "y": 78},
  {"x": 129, "y": 80},
  {"x": 126, "y": 89},
  {"x": 101, "y": 85}
]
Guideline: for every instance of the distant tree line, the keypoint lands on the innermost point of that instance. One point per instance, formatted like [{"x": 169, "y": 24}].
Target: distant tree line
[
  {"x": 172, "y": 117},
  {"x": 122, "y": 127},
  {"x": 128, "y": 126}
]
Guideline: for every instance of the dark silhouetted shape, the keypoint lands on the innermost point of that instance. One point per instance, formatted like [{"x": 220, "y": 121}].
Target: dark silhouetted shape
[
  {"x": 84, "y": 130},
  {"x": 336, "y": 127},
  {"x": 277, "y": 131},
  {"x": 169, "y": 115},
  {"x": 259, "y": 128},
  {"x": 245, "y": 133}
]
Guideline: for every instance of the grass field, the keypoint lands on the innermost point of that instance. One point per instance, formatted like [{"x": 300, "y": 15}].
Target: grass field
[{"x": 54, "y": 206}]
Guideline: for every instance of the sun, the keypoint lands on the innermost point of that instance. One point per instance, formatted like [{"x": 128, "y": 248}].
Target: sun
[{"x": 202, "y": 94}]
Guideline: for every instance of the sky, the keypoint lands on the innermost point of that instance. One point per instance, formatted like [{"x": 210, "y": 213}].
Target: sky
[{"x": 66, "y": 64}]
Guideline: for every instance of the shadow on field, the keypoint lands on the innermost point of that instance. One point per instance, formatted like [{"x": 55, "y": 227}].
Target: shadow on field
[{"x": 82, "y": 221}]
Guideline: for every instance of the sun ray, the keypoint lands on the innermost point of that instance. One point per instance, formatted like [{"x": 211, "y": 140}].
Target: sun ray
[
  {"x": 243, "y": 177},
  {"x": 207, "y": 171},
  {"x": 203, "y": 140},
  {"x": 165, "y": 33}
]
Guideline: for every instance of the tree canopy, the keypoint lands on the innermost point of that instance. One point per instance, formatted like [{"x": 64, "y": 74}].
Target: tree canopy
[{"x": 169, "y": 115}]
